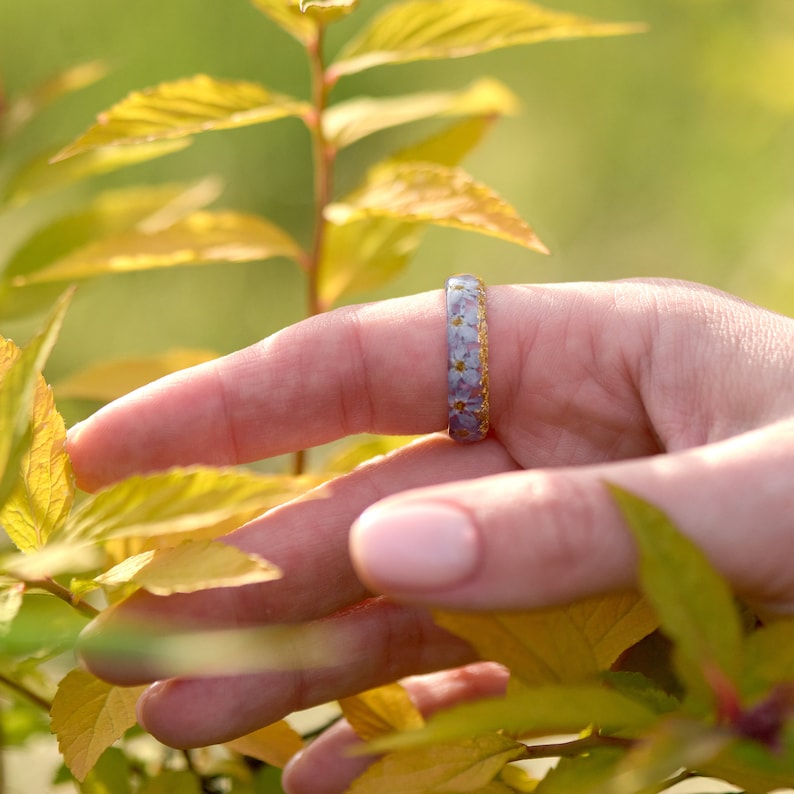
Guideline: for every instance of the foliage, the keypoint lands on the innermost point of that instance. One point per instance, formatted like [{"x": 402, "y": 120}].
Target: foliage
[{"x": 730, "y": 711}]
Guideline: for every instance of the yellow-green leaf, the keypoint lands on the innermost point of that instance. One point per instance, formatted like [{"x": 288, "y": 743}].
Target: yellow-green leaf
[
  {"x": 11, "y": 595},
  {"x": 550, "y": 709},
  {"x": 109, "y": 380},
  {"x": 201, "y": 238},
  {"x": 19, "y": 374},
  {"x": 170, "y": 781},
  {"x": 347, "y": 122},
  {"x": 178, "y": 501},
  {"x": 363, "y": 448},
  {"x": 422, "y": 29},
  {"x": 190, "y": 566},
  {"x": 41, "y": 176},
  {"x": 182, "y": 108},
  {"x": 768, "y": 658},
  {"x": 381, "y": 711},
  {"x": 431, "y": 193},
  {"x": 694, "y": 603},
  {"x": 42, "y": 497},
  {"x": 368, "y": 253},
  {"x": 560, "y": 644},
  {"x": 88, "y": 715},
  {"x": 274, "y": 744},
  {"x": 466, "y": 766},
  {"x": 326, "y": 11},
  {"x": 288, "y": 16},
  {"x": 112, "y": 212}
]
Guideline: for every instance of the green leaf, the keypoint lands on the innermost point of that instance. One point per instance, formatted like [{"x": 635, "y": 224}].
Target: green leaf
[
  {"x": 108, "y": 380},
  {"x": 186, "y": 500},
  {"x": 173, "y": 781},
  {"x": 182, "y": 108},
  {"x": 11, "y": 595},
  {"x": 326, "y": 11},
  {"x": 469, "y": 765},
  {"x": 366, "y": 254},
  {"x": 110, "y": 213},
  {"x": 753, "y": 767},
  {"x": 190, "y": 566},
  {"x": 695, "y": 606},
  {"x": 347, "y": 122},
  {"x": 111, "y": 773},
  {"x": 381, "y": 711},
  {"x": 581, "y": 774},
  {"x": 768, "y": 658},
  {"x": 288, "y": 16},
  {"x": 41, "y": 176},
  {"x": 88, "y": 715},
  {"x": 429, "y": 29},
  {"x": 431, "y": 193},
  {"x": 201, "y": 238},
  {"x": 550, "y": 709},
  {"x": 19, "y": 373},
  {"x": 561, "y": 644}
]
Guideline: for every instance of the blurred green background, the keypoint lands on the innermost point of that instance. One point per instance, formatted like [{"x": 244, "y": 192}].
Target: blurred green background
[{"x": 669, "y": 153}]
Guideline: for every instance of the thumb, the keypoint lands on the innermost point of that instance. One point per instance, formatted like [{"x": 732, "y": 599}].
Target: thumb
[{"x": 538, "y": 538}]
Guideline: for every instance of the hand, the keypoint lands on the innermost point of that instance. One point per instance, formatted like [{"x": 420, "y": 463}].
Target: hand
[{"x": 679, "y": 393}]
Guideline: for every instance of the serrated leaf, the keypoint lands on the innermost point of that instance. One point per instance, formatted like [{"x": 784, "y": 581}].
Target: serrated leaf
[
  {"x": 550, "y": 709},
  {"x": 88, "y": 715},
  {"x": 694, "y": 604},
  {"x": 42, "y": 497},
  {"x": 368, "y": 253},
  {"x": 431, "y": 193},
  {"x": 19, "y": 373},
  {"x": 108, "y": 380},
  {"x": 350, "y": 121},
  {"x": 288, "y": 16},
  {"x": 41, "y": 176},
  {"x": 182, "y": 108},
  {"x": 274, "y": 744},
  {"x": 110, "y": 213},
  {"x": 182, "y": 500},
  {"x": 201, "y": 238},
  {"x": 381, "y": 711},
  {"x": 430, "y": 29},
  {"x": 561, "y": 644},
  {"x": 190, "y": 566},
  {"x": 469, "y": 765}
]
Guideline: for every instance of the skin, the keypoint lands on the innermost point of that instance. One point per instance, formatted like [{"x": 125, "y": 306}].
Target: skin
[{"x": 674, "y": 391}]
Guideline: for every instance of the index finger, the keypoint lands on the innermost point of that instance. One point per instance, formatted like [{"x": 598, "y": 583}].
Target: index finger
[{"x": 378, "y": 368}]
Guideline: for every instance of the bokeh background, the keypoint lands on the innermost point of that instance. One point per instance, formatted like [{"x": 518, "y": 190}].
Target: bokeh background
[{"x": 669, "y": 153}]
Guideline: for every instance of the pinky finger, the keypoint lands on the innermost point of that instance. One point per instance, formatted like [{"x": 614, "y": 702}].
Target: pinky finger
[{"x": 326, "y": 766}]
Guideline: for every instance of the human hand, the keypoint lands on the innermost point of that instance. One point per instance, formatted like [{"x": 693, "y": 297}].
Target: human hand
[{"x": 678, "y": 393}]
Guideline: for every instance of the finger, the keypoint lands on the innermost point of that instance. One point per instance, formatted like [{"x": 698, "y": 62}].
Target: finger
[
  {"x": 308, "y": 540},
  {"x": 379, "y": 642},
  {"x": 430, "y": 693},
  {"x": 539, "y": 538}
]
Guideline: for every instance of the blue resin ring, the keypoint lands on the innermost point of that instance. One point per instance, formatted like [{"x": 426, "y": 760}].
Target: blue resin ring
[{"x": 467, "y": 367}]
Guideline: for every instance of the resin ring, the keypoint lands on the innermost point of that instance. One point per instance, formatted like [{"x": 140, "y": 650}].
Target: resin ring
[{"x": 467, "y": 344}]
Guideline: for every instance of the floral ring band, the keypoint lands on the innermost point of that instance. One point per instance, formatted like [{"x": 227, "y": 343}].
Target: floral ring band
[{"x": 467, "y": 361}]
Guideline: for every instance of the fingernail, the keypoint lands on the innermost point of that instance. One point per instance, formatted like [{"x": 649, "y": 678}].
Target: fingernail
[{"x": 421, "y": 546}]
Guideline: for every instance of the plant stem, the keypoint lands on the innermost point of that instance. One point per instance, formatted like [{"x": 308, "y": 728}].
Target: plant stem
[
  {"x": 574, "y": 747},
  {"x": 58, "y": 590},
  {"x": 35, "y": 699},
  {"x": 324, "y": 155}
]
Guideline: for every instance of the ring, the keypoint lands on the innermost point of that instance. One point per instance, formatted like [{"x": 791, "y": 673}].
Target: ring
[{"x": 467, "y": 346}]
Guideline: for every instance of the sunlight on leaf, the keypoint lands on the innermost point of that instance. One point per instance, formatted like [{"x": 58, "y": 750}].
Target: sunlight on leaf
[
  {"x": 359, "y": 450},
  {"x": 550, "y": 709},
  {"x": 11, "y": 594},
  {"x": 108, "y": 380},
  {"x": 381, "y": 711},
  {"x": 422, "y": 29},
  {"x": 201, "y": 238},
  {"x": 182, "y": 108},
  {"x": 468, "y": 765},
  {"x": 180, "y": 500},
  {"x": 560, "y": 644},
  {"x": 349, "y": 121},
  {"x": 275, "y": 744},
  {"x": 288, "y": 16},
  {"x": 88, "y": 715},
  {"x": 190, "y": 566},
  {"x": 366, "y": 254},
  {"x": 326, "y": 11},
  {"x": 431, "y": 193},
  {"x": 694, "y": 603}
]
